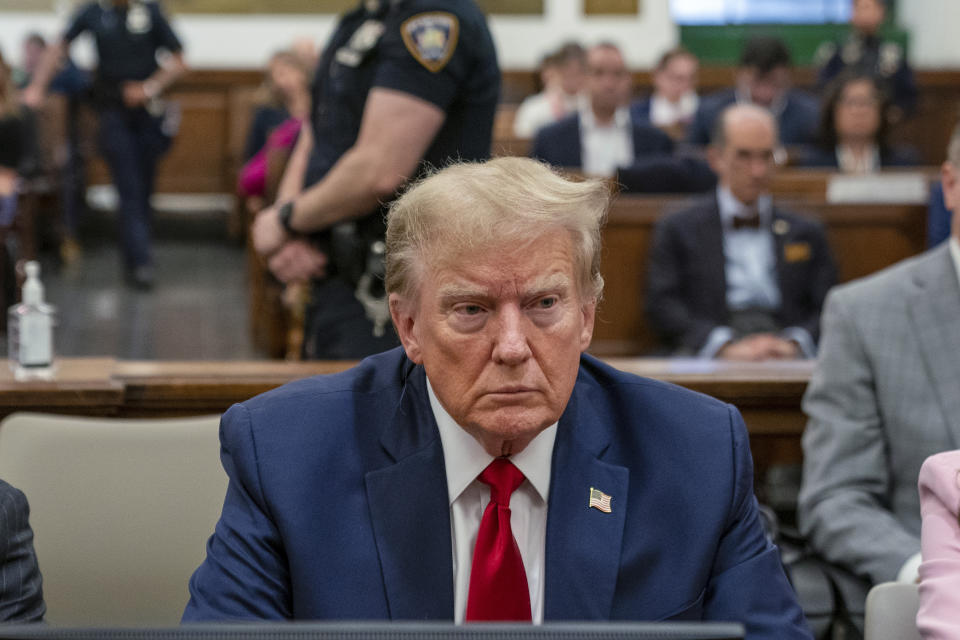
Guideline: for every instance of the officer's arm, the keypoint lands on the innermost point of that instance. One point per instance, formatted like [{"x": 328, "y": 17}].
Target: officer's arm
[
  {"x": 294, "y": 174},
  {"x": 34, "y": 94},
  {"x": 172, "y": 70},
  {"x": 396, "y": 132}
]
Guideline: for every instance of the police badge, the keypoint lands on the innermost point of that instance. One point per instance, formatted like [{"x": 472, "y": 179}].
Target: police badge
[
  {"x": 431, "y": 38},
  {"x": 138, "y": 18}
]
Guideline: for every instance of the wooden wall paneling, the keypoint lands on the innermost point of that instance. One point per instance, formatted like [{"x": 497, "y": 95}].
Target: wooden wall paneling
[{"x": 197, "y": 162}]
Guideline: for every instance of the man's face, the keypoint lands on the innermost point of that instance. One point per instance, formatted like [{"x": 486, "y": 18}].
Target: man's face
[
  {"x": 677, "y": 78},
  {"x": 950, "y": 175},
  {"x": 500, "y": 335},
  {"x": 745, "y": 163},
  {"x": 867, "y": 16},
  {"x": 571, "y": 76},
  {"x": 608, "y": 81},
  {"x": 764, "y": 88}
]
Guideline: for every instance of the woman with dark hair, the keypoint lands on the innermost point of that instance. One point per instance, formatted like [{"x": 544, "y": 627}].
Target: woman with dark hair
[{"x": 854, "y": 123}]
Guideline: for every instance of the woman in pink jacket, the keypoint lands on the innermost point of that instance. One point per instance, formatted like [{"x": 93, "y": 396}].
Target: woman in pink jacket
[{"x": 939, "y": 614}]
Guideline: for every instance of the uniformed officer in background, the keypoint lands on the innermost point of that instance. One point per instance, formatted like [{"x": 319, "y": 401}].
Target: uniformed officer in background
[
  {"x": 865, "y": 50},
  {"x": 135, "y": 129},
  {"x": 402, "y": 85}
]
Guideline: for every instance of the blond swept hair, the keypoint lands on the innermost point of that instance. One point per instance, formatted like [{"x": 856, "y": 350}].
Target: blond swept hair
[{"x": 505, "y": 202}]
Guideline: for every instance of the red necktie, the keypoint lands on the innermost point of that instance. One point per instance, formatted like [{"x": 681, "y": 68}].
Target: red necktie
[{"x": 498, "y": 581}]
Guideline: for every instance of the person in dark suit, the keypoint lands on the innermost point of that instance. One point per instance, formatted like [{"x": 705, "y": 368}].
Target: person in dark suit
[
  {"x": 366, "y": 494},
  {"x": 602, "y": 136},
  {"x": 854, "y": 122},
  {"x": 763, "y": 78},
  {"x": 865, "y": 50},
  {"x": 21, "y": 589},
  {"x": 735, "y": 276},
  {"x": 674, "y": 100}
]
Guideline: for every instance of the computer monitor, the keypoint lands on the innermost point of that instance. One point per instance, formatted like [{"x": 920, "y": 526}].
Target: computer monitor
[{"x": 391, "y": 631}]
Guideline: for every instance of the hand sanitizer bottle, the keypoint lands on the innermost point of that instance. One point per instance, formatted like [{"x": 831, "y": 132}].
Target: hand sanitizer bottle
[{"x": 30, "y": 330}]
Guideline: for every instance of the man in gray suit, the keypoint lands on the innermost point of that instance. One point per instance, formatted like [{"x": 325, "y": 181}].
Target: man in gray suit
[
  {"x": 21, "y": 595},
  {"x": 885, "y": 395}
]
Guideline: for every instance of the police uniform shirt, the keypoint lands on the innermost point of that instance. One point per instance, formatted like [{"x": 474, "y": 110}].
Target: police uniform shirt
[
  {"x": 127, "y": 40},
  {"x": 438, "y": 51}
]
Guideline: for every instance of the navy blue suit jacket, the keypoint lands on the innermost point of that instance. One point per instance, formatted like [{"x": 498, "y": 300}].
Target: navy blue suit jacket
[
  {"x": 798, "y": 121},
  {"x": 337, "y": 507},
  {"x": 686, "y": 295},
  {"x": 640, "y": 110},
  {"x": 559, "y": 143}
]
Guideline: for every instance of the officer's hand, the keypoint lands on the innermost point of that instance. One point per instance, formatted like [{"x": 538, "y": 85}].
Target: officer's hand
[
  {"x": 297, "y": 261},
  {"x": 267, "y": 233},
  {"x": 32, "y": 97},
  {"x": 134, "y": 94}
]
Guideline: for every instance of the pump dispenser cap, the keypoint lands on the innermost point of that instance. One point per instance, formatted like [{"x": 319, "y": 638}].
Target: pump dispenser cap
[{"x": 32, "y": 288}]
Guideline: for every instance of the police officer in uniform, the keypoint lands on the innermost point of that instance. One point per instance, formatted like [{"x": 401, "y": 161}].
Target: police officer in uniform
[
  {"x": 126, "y": 93},
  {"x": 402, "y": 85},
  {"x": 865, "y": 51}
]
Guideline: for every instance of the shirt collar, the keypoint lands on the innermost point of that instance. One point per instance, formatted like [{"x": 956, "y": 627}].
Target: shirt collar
[
  {"x": 730, "y": 206},
  {"x": 955, "y": 253},
  {"x": 621, "y": 117},
  {"x": 464, "y": 458}
]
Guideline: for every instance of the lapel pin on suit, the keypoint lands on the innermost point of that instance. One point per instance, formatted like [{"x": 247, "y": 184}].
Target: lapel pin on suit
[
  {"x": 781, "y": 227},
  {"x": 599, "y": 500}
]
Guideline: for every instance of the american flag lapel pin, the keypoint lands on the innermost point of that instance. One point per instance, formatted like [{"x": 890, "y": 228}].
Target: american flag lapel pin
[{"x": 599, "y": 500}]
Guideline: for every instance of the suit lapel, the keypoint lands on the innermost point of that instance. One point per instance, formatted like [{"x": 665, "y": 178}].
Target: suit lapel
[
  {"x": 934, "y": 310},
  {"x": 576, "y": 150},
  {"x": 583, "y": 544},
  {"x": 410, "y": 511},
  {"x": 713, "y": 263}
]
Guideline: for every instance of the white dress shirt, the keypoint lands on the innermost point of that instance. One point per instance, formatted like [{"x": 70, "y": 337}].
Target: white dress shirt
[
  {"x": 464, "y": 459},
  {"x": 605, "y": 148},
  {"x": 955, "y": 253},
  {"x": 539, "y": 110},
  {"x": 664, "y": 113}
]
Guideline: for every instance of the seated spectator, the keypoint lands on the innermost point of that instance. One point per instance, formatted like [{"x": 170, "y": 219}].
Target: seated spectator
[
  {"x": 21, "y": 591},
  {"x": 69, "y": 160},
  {"x": 290, "y": 80},
  {"x": 937, "y": 618},
  {"x": 283, "y": 98},
  {"x": 12, "y": 143},
  {"x": 563, "y": 75},
  {"x": 602, "y": 136},
  {"x": 763, "y": 78},
  {"x": 864, "y": 50},
  {"x": 674, "y": 100},
  {"x": 734, "y": 276},
  {"x": 853, "y": 129},
  {"x": 882, "y": 398},
  {"x": 938, "y": 216}
]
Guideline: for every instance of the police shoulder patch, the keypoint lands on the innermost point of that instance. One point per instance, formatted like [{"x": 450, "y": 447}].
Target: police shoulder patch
[{"x": 431, "y": 38}]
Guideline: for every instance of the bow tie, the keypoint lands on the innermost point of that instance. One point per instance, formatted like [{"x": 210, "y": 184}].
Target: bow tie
[{"x": 748, "y": 220}]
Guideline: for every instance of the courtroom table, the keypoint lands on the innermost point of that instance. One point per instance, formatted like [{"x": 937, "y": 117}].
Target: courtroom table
[{"x": 767, "y": 394}]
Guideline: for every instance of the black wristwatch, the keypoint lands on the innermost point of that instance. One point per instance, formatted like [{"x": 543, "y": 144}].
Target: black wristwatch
[{"x": 284, "y": 215}]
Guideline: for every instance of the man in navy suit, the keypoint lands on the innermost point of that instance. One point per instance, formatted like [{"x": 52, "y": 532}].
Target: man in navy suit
[
  {"x": 21, "y": 587},
  {"x": 735, "y": 276},
  {"x": 363, "y": 495},
  {"x": 674, "y": 100},
  {"x": 763, "y": 78},
  {"x": 602, "y": 136}
]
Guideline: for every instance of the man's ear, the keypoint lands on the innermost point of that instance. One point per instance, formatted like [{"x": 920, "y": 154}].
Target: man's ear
[
  {"x": 404, "y": 320},
  {"x": 949, "y": 177},
  {"x": 589, "y": 311}
]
